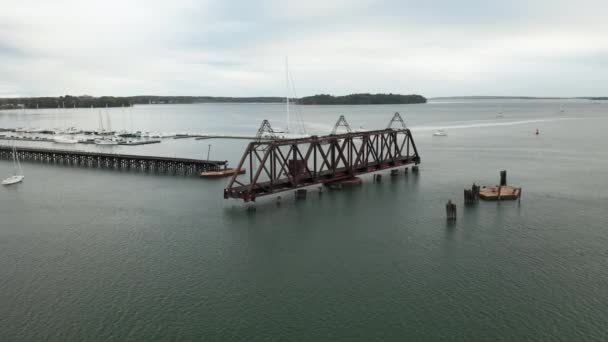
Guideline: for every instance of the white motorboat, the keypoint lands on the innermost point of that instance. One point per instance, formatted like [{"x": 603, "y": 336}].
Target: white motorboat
[
  {"x": 440, "y": 133},
  {"x": 65, "y": 140},
  {"x": 18, "y": 176}
]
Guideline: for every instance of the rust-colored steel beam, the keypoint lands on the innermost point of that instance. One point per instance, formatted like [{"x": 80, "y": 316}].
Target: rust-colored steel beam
[{"x": 281, "y": 165}]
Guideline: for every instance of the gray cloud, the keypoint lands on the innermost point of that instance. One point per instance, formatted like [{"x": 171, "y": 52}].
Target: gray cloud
[{"x": 236, "y": 48}]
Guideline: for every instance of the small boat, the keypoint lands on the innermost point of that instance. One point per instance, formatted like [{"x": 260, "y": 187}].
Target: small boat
[
  {"x": 13, "y": 180},
  {"x": 18, "y": 172},
  {"x": 65, "y": 140},
  {"x": 440, "y": 133}
]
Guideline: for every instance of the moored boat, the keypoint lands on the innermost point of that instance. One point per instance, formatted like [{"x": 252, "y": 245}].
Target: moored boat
[
  {"x": 18, "y": 176},
  {"x": 65, "y": 140}
]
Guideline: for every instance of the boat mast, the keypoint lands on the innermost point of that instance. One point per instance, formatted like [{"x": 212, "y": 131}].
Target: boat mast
[
  {"x": 100, "y": 123},
  {"x": 109, "y": 127},
  {"x": 17, "y": 159},
  {"x": 287, "y": 92},
  {"x": 14, "y": 160}
]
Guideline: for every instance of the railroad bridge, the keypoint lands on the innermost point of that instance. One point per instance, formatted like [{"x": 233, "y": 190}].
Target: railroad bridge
[{"x": 288, "y": 164}]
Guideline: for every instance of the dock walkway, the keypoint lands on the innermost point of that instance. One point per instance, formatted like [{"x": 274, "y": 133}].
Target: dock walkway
[{"x": 115, "y": 161}]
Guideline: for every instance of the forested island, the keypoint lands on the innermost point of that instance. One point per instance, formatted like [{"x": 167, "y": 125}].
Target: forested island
[
  {"x": 86, "y": 101},
  {"x": 361, "y": 99}
]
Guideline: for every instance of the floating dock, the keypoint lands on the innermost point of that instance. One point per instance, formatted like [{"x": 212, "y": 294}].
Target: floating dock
[
  {"x": 492, "y": 192},
  {"x": 114, "y": 161},
  {"x": 499, "y": 193}
]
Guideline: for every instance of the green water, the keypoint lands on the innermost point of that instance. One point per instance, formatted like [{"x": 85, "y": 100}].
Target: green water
[{"x": 90, "y": 254}]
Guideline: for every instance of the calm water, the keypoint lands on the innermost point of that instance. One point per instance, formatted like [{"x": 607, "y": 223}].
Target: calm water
[{"x": 91, "y": 254}]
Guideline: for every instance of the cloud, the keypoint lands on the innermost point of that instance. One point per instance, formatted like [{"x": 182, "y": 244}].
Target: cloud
[{"x": 236, "y": 48}]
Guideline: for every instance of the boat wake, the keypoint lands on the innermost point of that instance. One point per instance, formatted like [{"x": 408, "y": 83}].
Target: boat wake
[{"x": 485, "y": 124}]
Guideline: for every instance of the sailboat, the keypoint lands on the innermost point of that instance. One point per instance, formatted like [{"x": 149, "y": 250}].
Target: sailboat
[
  {"x": 65, "y": 138},
  {"x": 286, "y": 133},
  {"x": 103, "y": 141},
  {"x": 18, "y": 172}
]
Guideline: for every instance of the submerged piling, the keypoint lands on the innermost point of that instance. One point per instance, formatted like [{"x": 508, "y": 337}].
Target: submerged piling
[{"x": 301, "y": 194}]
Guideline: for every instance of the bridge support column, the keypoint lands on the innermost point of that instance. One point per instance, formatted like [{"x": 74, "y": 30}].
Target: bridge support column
[{"x": 301, "y": 194}]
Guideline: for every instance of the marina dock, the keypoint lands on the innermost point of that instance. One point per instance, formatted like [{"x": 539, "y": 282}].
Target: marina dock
[{"x": 168, "y": 165}]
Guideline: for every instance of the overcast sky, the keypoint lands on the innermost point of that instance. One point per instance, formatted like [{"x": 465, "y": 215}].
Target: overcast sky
[{"x": 237, "y": 48}]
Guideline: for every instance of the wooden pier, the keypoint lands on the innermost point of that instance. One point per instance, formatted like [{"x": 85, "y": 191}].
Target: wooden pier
[{"x": 167, "y": 165}]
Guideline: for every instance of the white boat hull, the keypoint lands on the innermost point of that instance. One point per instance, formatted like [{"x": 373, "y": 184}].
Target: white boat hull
[
  {"x": 65, "y": 140},
  {"x": 105, "y": 142},
  {"x": 13, "y": 180}
]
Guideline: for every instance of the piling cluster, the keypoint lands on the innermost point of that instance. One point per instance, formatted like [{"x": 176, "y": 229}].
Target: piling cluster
[{"x": 489, "y": 193}]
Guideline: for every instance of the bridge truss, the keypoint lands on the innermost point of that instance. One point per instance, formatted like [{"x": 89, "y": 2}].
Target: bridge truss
[{"x": 281, "y": 165}]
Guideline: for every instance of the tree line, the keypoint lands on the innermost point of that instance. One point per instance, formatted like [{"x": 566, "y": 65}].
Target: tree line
[{"x": 361, "y": 99}]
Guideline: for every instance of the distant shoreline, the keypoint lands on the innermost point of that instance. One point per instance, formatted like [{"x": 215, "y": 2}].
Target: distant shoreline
[
  {"x": 86, "y": 101},
  {"x": 352, "y": 99}
]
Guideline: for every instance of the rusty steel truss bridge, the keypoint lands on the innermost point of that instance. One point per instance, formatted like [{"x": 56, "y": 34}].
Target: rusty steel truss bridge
[{"x": 279, "y": 165}]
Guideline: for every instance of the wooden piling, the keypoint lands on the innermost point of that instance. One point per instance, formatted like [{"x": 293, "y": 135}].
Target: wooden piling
[
  {"x": 503, "y": 178},
  {"x": 301, "y": 194},
  {"x": 471, "y": 196},
  {"x": 450, "y": 210}
]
